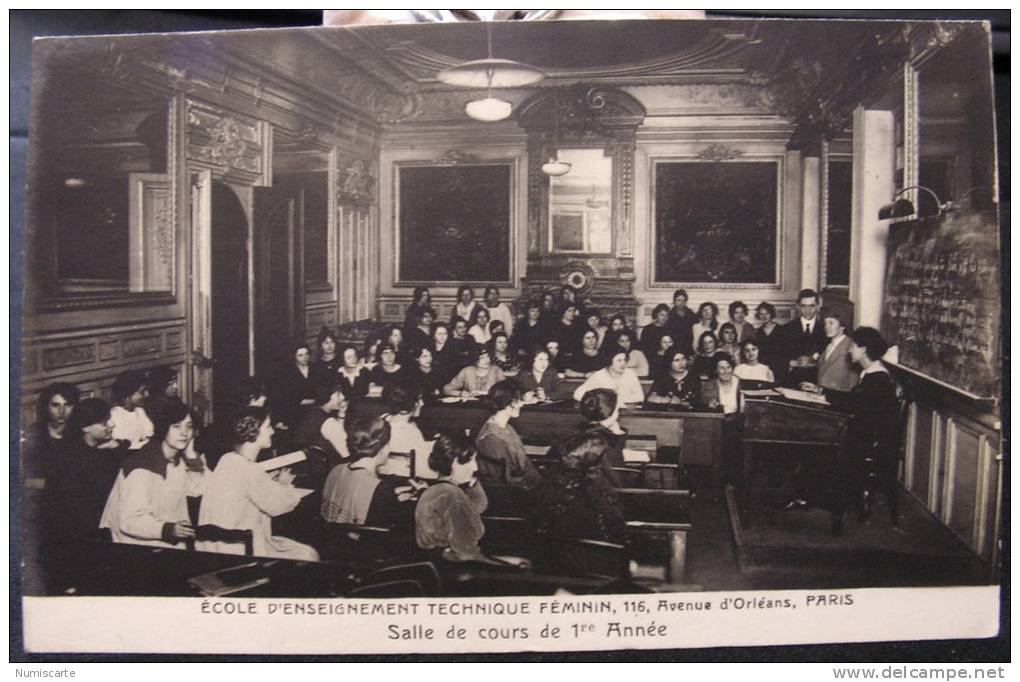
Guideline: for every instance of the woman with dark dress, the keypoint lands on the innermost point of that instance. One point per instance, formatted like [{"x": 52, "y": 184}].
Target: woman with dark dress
[
  {"x": 617, "y": 326},
  {"x": 465, "y": 306},
  {"x": 556, "y": 358},
  {"x": 462, "y": 345},
  {"x": 567, "y": 332},
  {"x": 386, "y": 371},
  {"x": 499, "y": 344},
  {"x": 875, "y": 431},
  {"x": 678, "y": 387},
  {"x": 651, "y": 334},
  {"x": 768, "y": 351},
  {"x": 502, "y": 459},
  {"x": 589, "y": 360},
  {"x": 600, "y": 408},
  {"x": 576, "y": 500},
  {"x": 529, "y": 332},
  {"x": 704, "y": 365},
  {"x": 43, "y": 442},
  {"x": 550, "y": 310},
  {"x": 423, "y": 375},
  {"x": 728, "y": 340},
  {"x": 354, "y": 378},
  {"x": 421, "y": 300},
  {"x": 76, "y": 490},
  {"x": 659, "y": 358},
  {"x": 541, "y": 382},
  {"x": 324, "y": 369},
  {"x": 681, "y": 319},
  {"x": 444, "y": 360},
  {"x": 420, "y": 336},
  {"x": 294, "y": 388}
]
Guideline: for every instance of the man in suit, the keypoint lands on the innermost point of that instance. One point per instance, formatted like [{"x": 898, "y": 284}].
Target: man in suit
[
  {"x": 835, "y": 370},
  {"x": 801, "y": 341}
]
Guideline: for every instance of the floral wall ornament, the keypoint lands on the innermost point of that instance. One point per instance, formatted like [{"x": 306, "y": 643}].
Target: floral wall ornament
[
  {"x": 453, "y": 157},
  {"x": 719, "y": 152},
  {"x": 356, "y": 184},
  {"x": 227, "y": 144}
]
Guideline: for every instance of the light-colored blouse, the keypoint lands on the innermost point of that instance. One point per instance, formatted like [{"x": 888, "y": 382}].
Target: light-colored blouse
[
  {"x": 626, "y": 386},
  {"x": 468, "y": 379}
]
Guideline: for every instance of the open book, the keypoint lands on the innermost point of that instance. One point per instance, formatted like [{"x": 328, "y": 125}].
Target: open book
[
  {"x": 230, "y": 580},
  {"x": 803, "y": 396},
  {"x": 287, "y": 460}
]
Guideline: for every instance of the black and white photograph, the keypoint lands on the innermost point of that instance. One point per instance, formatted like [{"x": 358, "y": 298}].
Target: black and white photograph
[{"x": 507, "y": 327}]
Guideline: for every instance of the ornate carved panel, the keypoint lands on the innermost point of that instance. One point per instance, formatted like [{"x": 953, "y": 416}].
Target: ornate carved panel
[
  {"x": 234, "y": 147},
  {"x": 142, "y": 345},
  {"x": 68, "y": 356},
  {"x": 356, "y": 183}
]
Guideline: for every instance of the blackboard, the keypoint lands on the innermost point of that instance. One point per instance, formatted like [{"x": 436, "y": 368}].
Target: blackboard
[
  {"x": 454, "y": 223},
  {"x": 942, "y": 304},
  {"x": 716, "y": 222}
]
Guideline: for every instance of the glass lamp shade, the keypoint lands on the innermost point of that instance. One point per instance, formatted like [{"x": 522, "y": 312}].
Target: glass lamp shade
[
  {"x": 489, "y": 109},
  {"x": 494, "y": 73},
  {"x": 555, "y": 167}
]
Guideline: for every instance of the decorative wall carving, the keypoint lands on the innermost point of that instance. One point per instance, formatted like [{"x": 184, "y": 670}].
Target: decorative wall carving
[
  {"x": 107, "y": 350},
  {"x": 68, "y": 356},
  {"x": 142, "y": 345},
  {"x": 453, "y": 157},
  {"x": 232, "y": 146},
  {"x": 356, "y": 183},
  {"x": 719, "y": 152}
]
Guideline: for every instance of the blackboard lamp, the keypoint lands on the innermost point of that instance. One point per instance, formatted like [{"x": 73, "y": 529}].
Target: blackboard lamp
[{"x": 901, "y": 208}]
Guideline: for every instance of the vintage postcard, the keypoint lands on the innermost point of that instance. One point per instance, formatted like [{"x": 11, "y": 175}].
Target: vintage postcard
[{"x": 511, "y": 336}]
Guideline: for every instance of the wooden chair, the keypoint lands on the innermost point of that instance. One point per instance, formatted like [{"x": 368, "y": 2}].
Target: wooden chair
[{"x": 211, "y": 533}]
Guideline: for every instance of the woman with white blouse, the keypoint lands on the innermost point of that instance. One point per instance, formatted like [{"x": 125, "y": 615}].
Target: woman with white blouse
[{"x": 617, "y": 377}]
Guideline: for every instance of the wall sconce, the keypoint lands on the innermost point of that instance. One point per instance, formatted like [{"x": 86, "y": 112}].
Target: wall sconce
[{"x": 900, "y": 208}]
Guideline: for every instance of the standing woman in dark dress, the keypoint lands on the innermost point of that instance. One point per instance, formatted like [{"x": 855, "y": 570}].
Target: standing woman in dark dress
[
  {"x": 874, "y": 435},
  {"x": 420, "y": 336},
  {"x": 295, "y": 386},
  {"x": 529, "y": 332},
  {"x": 768, "y": 352},
  {"x": 421, "y": 301},
  {"x": 443, "y": 356},
  {"x": 42, "y": 444},
  {"x": 76, "y": 490},
  {"x": 324, "y": 369},
  {"x": 652, "y": 333}
]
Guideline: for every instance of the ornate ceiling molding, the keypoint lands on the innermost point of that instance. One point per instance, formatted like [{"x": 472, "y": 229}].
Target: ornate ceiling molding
[{"x": 582, "y": 110}]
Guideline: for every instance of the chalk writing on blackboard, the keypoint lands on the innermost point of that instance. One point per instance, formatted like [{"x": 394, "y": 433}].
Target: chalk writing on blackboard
[{"x": 942, "y": 304}]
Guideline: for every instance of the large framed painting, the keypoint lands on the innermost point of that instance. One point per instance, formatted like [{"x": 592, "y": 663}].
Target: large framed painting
[
  {"x": 454, "y": 223},
  {"x": 716, "y": 222}
]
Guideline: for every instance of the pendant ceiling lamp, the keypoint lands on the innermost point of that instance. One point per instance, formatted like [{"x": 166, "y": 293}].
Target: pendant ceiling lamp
[
  {"x": 490, "y": 73},
  {"x": 554, "y": 166}
]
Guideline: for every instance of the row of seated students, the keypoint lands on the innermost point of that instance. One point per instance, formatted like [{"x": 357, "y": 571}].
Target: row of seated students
[{"x": 435, "y": 351}]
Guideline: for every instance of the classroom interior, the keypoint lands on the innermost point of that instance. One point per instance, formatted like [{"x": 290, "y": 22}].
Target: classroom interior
[{"x": 199, "y": 202}]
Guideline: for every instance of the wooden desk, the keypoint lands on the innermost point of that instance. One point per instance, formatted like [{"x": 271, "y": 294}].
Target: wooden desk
[
  {"x": 814, "y": 431},
  {"x": 694, "y": 437}
]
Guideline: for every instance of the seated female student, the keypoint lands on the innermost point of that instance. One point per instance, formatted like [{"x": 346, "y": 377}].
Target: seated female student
[
  {"x": 593, "y": 321},
  {"x": 768, "y": 351},
  {"x": 617, "y": 326},
  {"x": 43, "y": 443},
  {"x": 465, "y": 306},
  {"x": 77, "y": 485},
  {"x": 589, "y": 359},
  {"x": 601, "y": 411},
  {"x": 874, "y": 431},
  {"x": 722, "y": 392},
  {"x": 386, "y": 370},
  {"x": 421, "y": 300},
  {"x": 752, "y": 369},
  {"x": 497, "y": 310},
  {"x": 678, "y": 387},
  {"x": 218, "y": 438},
  {"x": 420, "y": 335},
  {"x": 241, "y": 495},
  {"x": 651, "y": 334},
  {"x": 462, "y": 345},
  {"x": 728, "y": 340},
  {"x": 426, "y": 379},
  {"x": 443, "y": 360},
  {"x": 659, "y": 359},
  {"x": 294, "y": 388},
  {"x": 403, "y": 405},
  {"x": 708, "y": 321},
  {"x": 323, "y": 429},
  {"x": 394, "y": 336},
  {"x": 130, "y": 422},
  {"x": 354, "y": 491},
  {"x": 567, "y": 332},
  {"x": 499, "y": 345},
  {"x": 327, "y": 362},
  {"x": 148, "y": 503},
  {"x": 479, "y": 330},
  {"x": 738, "y": 318},
  {"x": 541, "y": 382},
  {"x": 475, "y": 380},
  {"x": 448, "y": 514},
  {"x": 353, "y": 376},
  {"x": 529, "y": 332},
  {"x": 615, "y": 376},
  {"x": 557, "y": 359},
  {"x": 704, "y": 365},
  {"x": 550, "y": 310},
  {"x": 576, "y": 500},
  {"x": 502, "y": 459},
  {"x": 163, "y": 383},
  {"x": 637, "y": 360}
]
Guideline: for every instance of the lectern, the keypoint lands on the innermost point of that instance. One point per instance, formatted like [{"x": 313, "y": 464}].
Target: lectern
[{"x": 815, "y": 435}]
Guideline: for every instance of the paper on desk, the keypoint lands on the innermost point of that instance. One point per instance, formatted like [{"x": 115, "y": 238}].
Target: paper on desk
[
  {"x": 804, "y": 396},
  {"x": 455, "y": 399},
  {"x": 760, "y": 392},
  {"x": 636, "y": 456}
]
